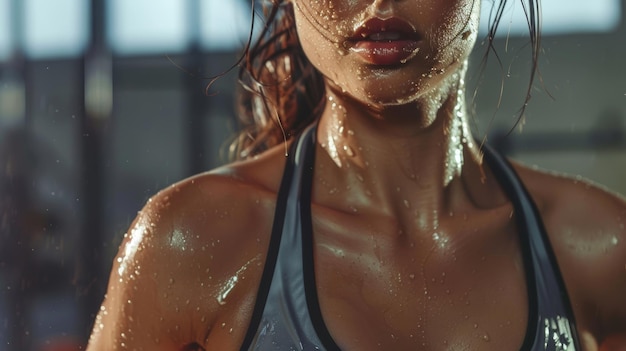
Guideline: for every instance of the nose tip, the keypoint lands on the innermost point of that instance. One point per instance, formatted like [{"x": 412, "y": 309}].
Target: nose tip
[{"x": 382, "y": 8}]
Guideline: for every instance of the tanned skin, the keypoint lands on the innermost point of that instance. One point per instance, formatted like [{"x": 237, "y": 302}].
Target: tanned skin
[{"x": 415, "y": 243}]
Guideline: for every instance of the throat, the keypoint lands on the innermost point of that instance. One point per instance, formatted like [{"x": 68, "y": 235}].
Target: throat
[
  {"x": 366, "y": 168},
  {"x": 389, "y": 158}
]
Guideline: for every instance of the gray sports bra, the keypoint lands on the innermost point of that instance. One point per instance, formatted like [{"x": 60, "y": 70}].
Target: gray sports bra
[{"x": 287, "y": 315}]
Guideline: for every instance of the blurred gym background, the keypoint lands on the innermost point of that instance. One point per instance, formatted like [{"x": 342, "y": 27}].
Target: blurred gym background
[{"x": 102, "y": 103}]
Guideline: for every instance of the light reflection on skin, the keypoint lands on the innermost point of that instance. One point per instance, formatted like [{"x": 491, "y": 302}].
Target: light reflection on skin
[
  {"x": 335, "y": 251},
  {"x": 177, "y": 240},
  {"x": 440, "y": 241},
  {"x": 332, "y": 149},
  {"x": 427, "y": 220},
  {"x": 232, "y": 282},
  {"x": 459, "y": 134},
  {"x": 594, "y": 245},
  {"x": 455, "y": 151},
  {"x": 132, "y": 246},
  {"x": 614, "y": 241}
]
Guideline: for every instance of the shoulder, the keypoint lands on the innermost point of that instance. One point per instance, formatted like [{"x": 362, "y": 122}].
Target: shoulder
[
  {"x": 576, "y": 207},
  {"x": 575, "y": 203},
  {"x": 167, "y": 281},
  {"x": 217, "y": 219},
  {"x": 586, "y": 224},
  {"x": 225, "y": 204},
  {"x": 212, "y": 205}
]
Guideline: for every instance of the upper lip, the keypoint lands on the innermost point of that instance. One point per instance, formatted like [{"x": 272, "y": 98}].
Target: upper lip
[{"x": 391, "y": 25}]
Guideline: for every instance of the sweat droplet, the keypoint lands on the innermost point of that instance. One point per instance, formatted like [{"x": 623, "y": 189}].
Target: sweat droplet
[{"x": 348, "y": 150}]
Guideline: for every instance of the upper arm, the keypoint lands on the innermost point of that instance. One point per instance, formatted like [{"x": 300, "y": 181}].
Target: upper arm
[
  {"x": 137, "y": 313},
  {"x": 587, "y": 229},
  {"x": 605, "y": 265},
  {"x": 167, "y": 285},
  {"x": 127, "y": 318}
]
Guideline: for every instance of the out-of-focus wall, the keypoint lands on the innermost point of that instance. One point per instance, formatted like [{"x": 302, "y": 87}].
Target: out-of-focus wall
[{"x": 576, "y": 119}]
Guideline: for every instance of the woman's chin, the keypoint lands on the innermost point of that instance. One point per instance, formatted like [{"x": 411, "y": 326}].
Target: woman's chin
[{"x": 391, "y": 98}]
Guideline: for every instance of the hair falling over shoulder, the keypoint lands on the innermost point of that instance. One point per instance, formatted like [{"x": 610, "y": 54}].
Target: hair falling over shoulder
[{"x": 281, "y": 93}]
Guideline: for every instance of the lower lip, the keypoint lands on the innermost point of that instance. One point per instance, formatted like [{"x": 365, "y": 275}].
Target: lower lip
[{"x": 385, "y": 53}]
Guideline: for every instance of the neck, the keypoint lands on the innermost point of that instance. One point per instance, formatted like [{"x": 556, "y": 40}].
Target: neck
[{"x": 410, "y": 156}]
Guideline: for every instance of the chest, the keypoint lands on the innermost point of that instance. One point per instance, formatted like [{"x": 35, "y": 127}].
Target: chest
[{"x": 442, "y": 291}]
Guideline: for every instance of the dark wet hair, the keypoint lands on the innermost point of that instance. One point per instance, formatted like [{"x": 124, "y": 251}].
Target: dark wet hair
[{"x": 281, "y": 92}]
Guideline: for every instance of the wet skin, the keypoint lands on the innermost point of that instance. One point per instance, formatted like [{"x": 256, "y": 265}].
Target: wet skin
[
  {"x": 415, "y": 243},
  {"x": 177, "y": 288}
]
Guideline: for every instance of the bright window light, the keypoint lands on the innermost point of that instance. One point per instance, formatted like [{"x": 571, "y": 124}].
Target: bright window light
[
  {"x": 6, "y": 45},
  {"x": 148, "y": 26},
  {"x": 57, "y": 28},
  {"x": 559, "y": 17},
  {"x": 224, "y": 24}
]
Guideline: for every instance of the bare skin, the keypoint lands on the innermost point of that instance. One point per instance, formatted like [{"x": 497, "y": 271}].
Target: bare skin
[
  {"x": 175, "y": 300},
  {"x": 415, "y": 245}
]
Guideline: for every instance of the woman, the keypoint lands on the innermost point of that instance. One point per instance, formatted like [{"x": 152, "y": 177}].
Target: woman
[{"x": 385, "y": 227}]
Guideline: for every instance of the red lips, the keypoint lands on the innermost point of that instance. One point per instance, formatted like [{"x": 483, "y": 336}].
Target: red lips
[{"x": 385, "y": 42}]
